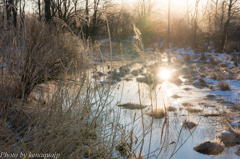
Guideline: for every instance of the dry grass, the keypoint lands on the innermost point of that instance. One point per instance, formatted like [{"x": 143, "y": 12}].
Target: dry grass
[
  {"x": 132, "y": 106},
  {"x": 181, "y": 108},
  {"x": 214, "y": 76},
  {"x": 75, "y": 120},
  {"x": 224, "y": 86},
  {"x": 194, "y": 110},
  {"x": 186, "y": 104},
  {"x": 187, "y": 89},
  {"x": 69, "y": 121},
  {"x": 189, "y": 124},
  {"x": 157, "y": 113},
  {"x": 171, "y": 108},
  {"x": 212, "y": 115},
  {"x": 227, "y": 137},
  {"x": 210, "y": 97},
  {"x": 209, "y": 147}
]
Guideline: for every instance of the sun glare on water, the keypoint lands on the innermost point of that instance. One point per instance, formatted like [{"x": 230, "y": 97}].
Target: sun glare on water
[
  {"x": 169, "y": 92},
  {"x": 165, "y": 74}
]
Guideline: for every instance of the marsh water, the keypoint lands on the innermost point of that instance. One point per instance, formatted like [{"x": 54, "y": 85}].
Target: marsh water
[
  {"x": 165, "y": 137},
  {"x": 172, "y": 139}
]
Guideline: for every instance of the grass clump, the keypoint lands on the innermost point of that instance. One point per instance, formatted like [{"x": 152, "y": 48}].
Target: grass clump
[
  {"x": 194, "y": 110},
  {"x": 157, "y": 113},
  {"x": 224, "y": 86},
  {"x": 189, "y": 124},
  {"x": 187, "y": 89},
  {"x": 132, "y": 106},
  {"x": 186, "y": 104},
  {"x": 171, "y": 108},
  {"x": 73, "y": 120},
  {"x": 209, "y": 147}
]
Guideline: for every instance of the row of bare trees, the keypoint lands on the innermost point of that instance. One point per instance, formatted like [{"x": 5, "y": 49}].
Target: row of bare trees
[
  {"x": 213, "y": 20},
  {"x": 201, "y": 22}
]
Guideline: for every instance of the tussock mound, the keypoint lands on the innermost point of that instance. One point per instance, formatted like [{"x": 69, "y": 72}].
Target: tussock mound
[
  {"x": 238, "y": 152},
  {"x": 200, "y": 82},
  {"x": 157, "y": 113},
  {"x": 209, "y": 147},
  {"x": 175, "y": 96},
  {"x": 224, "y": 86},
  {"x": 194, "y": 110},
  {"x": 132, "y": 106},
  {"x": 226, "y": 137},
  {"x": 187, "y": 89},
  {"x": 170, "y": 108},
  {"x": 212, "y": 114},
  {"x": 211, "y": 96},
  {"x": 189, "y": 124},
  {"x": 185, "y": 104}
]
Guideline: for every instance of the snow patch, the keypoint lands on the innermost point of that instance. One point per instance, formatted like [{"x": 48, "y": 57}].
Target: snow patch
[{"x": 235, "y": 124}]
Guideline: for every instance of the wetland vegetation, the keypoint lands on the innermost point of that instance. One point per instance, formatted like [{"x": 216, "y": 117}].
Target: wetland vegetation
[{"x": 104, "y": 79}]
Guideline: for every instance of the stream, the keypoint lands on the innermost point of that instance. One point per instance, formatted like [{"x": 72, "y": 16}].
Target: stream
[{"x": 175, "y": 140}]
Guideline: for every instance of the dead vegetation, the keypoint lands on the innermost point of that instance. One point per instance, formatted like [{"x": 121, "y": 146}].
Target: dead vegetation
[
  {"x": 194, "y": 110},
  {"x": 132, "y": 106},
  {"x": 209, "y": 147},
  {"x": 68, "y": 120},
  {"x": 171, "y": 108},
  {"x": 187, "y": 89},
  {"x": 157, "y": 113},
  {"x": 224, "y": 86},
  {"x": 75, "y": 120},
  {"x": 189, "y": 124},
  {"x": 186, "y": 104},
  {"x": 175, "y": 96},
  {"x": 212, "y": 115}
]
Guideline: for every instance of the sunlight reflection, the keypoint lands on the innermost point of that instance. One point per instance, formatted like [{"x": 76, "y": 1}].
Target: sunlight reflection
[
  {"x": 165, "y": 74},
  {"x": 169, "y": 92},
  {"x": 164, "y": 59}
]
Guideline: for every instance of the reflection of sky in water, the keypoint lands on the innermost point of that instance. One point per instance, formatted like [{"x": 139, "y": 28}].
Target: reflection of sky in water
[
  {"x": 207, "y": 129},
  {"x": 157, "y": 97}
]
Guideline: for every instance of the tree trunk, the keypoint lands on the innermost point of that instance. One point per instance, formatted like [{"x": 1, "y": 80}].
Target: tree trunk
[
  {"x": 216, "y": 15},
  {"x": 195, "y": 25},
  {"x": 87, "y": 21},
  {"x": 65, "y": 10},
  {"x": 11, "y": 12},
  {"x": 39, "y": 9},
  {"x": 222, "y": 17},
  {"x": 224, "y": 33},
  {"x": 168, "y": 37},
  {"x": 47, "y": 10},
  {"x": 94, "y": 25}
]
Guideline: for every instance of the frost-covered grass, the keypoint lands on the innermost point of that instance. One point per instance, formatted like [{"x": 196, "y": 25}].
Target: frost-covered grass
[
  {"x": 72, "y": 120},
  {"x": 73, "y": 115}
]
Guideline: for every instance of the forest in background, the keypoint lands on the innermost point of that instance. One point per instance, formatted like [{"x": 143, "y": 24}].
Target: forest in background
[
  {"x": 58, "y": 86},
  {"x": 182, "y": 23}
]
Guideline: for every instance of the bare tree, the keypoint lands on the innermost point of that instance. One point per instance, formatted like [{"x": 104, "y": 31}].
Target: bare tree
[
  {"x": 195, "y": 24},
  {"x": 168, "y": 37},
  {"x": 144, "y": 10},
  {"x": 94, "y": 19},
  {"x": 230, "y": 13},
  {"x": 39, "y": 9},
  {"x": 47, "y": 10},
  {"x": 11, "y": 12}
]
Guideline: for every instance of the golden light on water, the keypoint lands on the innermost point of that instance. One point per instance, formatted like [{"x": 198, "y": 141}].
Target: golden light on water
[
  {"x": 169, "y": 92},
  {"x": 165, "y": 74},
  {"x": 164, "y": 59}
]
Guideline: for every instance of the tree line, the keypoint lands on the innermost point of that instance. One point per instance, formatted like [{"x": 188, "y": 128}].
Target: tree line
[{"x": 202, "y": 22}]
